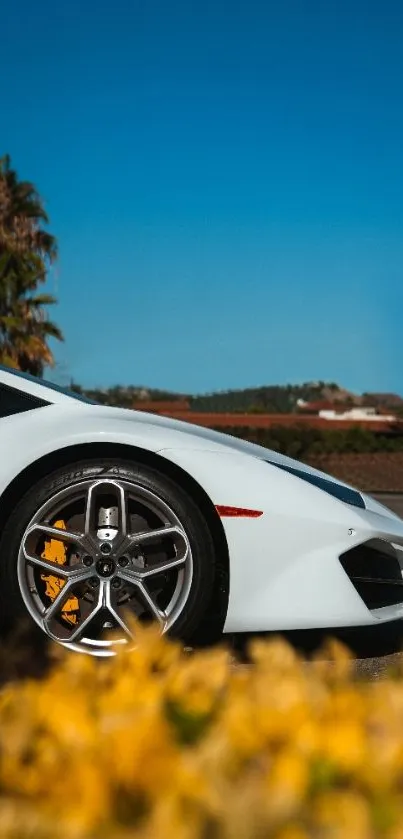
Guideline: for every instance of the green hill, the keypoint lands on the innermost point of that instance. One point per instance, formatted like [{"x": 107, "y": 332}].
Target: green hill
[{"x": 277, "y": 399}]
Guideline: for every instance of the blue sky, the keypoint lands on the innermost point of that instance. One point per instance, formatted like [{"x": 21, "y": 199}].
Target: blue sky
[{"x": 225, "y": 180}]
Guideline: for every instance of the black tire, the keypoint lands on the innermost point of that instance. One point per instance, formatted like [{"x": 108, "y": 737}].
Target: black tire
[{"x": 13, "y": 611}]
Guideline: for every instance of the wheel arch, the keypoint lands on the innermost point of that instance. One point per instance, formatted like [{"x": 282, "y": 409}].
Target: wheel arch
[{"x": 90, "y": 451}]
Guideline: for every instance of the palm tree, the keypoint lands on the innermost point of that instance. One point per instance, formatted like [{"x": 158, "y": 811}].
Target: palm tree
[{"x": 27, "y": 251}]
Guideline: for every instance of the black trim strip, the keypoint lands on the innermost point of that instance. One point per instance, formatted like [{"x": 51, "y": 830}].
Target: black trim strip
[
  {"x": 14, "y": 401},
  {"x": 349, "y": 496}
]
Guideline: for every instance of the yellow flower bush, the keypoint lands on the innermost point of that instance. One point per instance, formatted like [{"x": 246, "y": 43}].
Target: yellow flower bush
[{"x": 158, "y": 742}]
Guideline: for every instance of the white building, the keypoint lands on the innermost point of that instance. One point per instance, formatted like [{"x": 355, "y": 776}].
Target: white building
[{"x": 357, "y": 414}]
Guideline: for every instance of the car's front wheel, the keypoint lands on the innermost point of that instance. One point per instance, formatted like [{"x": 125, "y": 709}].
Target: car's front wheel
[{"x": 98, "y": 541}]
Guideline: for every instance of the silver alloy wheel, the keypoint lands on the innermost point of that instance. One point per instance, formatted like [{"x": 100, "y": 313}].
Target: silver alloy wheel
[{"x": 125, "y": 551}]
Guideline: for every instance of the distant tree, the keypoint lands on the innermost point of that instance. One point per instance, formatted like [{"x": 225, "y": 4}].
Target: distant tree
[
  {"x": 76, "y": 388},
  {"x": 303, "y": 442},
  {"x": 27, "y": 251}
]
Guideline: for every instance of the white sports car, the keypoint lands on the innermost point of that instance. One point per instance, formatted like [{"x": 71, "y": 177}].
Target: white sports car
[{"x": 106, "y": 512}]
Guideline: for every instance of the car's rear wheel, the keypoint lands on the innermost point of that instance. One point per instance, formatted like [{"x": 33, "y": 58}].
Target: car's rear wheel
[{"x": 98, "y": 541}]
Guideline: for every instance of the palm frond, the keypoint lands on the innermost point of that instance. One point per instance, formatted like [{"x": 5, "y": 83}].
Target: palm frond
[{"x": 27, "y": 250}]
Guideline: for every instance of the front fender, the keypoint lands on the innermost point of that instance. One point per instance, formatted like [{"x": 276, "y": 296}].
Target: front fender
[
  {"x": 284, "y": 565},
  {"x": 28, "y": 437}
]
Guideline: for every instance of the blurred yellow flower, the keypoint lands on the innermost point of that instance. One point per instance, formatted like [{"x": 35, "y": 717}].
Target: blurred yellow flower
[{"x": 158, "y": 741}]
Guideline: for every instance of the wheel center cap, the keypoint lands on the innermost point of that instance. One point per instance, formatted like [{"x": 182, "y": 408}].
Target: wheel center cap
[{"x": 106, "y": 567}]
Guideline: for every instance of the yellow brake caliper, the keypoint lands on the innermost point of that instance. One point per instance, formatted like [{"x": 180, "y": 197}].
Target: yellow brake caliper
[{"x": 56, "y": 551}]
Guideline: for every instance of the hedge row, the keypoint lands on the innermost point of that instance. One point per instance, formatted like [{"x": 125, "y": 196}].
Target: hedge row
[
  {"x": 160, "y": 743},
  {"x": 300, "y": 441}
]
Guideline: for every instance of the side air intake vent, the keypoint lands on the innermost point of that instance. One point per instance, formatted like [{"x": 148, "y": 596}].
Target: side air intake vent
[
  {"x": 375, "y": 573},
  {"x": 346, "y": 494}
]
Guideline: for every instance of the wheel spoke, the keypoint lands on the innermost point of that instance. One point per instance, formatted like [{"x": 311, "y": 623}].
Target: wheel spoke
[
  {"x": 120, "y": 622},
  {"x": 134, "y": 579},
  {"x": 51, "y": 567},
  {"x": 114, "y": 613},
  {"x": 182, "y": 552},
  {"x": 101, "y": 603},
  {"x": 149, "y": 535},
  {"x": 52, "y": 610},
  {"x": 72, "y": 579},
  {"x": 129, "y": 576},
  {"x": 54, "y": 533},
  {"x": 75, "y": 574},
  {"x": 158, "y": 613},
  {"x": 154, "y": 570},
  {"x": 96, "y": 489}
]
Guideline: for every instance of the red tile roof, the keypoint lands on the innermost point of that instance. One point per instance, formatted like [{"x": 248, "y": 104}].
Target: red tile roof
[
  {"x": 212, "y": 420},
  {"x": 162, "y": 407}
]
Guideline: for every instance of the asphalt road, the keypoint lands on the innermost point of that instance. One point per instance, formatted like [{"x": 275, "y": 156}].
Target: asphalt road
[
  {"x": 392, "y": 500},
  {"x": 375, "y": 649}
]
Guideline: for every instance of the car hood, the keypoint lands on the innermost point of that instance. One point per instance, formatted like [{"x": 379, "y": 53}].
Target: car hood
[
  {"x": 201, "y": 433},
  {"x": 193, "y": 435}
]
